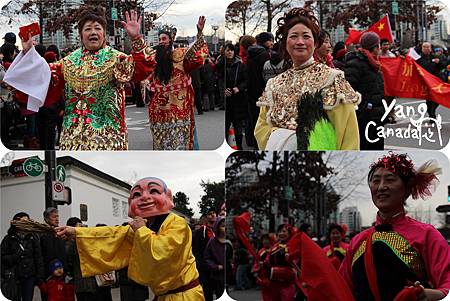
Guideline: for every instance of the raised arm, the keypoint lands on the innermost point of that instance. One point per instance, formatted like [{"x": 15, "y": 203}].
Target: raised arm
[{"x": 193, "y": 57}]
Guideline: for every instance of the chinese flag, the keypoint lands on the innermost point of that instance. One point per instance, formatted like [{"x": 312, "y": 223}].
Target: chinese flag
[
  {"x": 322, "y": 280},
  {"x": 405, "y": 78},
  {"x": 353, "y": 36},
  {"x": 383, "y": 29}
]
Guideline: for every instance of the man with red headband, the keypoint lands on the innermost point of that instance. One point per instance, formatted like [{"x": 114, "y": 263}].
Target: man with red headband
[
  {"x": 398, "y": 251},
  {"x": 156, "y": 245}
]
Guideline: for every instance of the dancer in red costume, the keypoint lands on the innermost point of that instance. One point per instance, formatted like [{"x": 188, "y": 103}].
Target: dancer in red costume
[{"x": 398, "y": 251}]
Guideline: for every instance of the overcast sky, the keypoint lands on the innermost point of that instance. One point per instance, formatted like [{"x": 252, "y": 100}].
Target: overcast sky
[
  {"x": 362, "y": 199},
  {"x": 183, "y": 14},
  {"x": 182, "y": 171}
]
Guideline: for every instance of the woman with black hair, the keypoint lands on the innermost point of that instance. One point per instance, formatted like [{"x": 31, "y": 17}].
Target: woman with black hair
[
  {"x": 398, "y": 251},
  {"x": 21, "y": 262},
  {"x": 310, "y": 106},
  {"x": 337, "y": 249},
  {"x": 235, "y": 92},
  {"x": 281, "y": 273},
  {"x": 91, "y": 79}
]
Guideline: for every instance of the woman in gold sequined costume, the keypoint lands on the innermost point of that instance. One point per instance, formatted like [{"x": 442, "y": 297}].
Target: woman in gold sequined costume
[
  {"x": 298, "y": 34},
  {"x": 94, "y": 77}
]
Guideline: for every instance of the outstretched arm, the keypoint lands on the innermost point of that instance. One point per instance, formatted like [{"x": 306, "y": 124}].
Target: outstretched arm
[{"x": 193, "y": 58}]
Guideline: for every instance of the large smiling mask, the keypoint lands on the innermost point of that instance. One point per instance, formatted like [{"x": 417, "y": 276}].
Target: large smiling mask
[{"x": 149, "y": 197}]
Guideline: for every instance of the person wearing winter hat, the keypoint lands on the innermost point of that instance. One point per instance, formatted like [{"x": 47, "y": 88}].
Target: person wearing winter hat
[
  {"x": 55, "y": 288},
  {"x": 265, "y": 39},
  {"x": 215, "y": 258},
  {"x": 363, "y": 72},
  {"x": 398, "y": 251}
]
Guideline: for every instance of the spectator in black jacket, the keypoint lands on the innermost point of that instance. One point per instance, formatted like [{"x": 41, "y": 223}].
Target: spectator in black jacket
[
  {"x": 52, "y": 247},
  {"x": 200, "y": 239},
  {"x": 85, "y": 288},
  {"x": 257, "y": 56},
  {"x": 433, "y": 65},
  {"x": 235, "y": 94},
  {"x": 21, "y": 260},
  {"x": 363, "y": 72}
]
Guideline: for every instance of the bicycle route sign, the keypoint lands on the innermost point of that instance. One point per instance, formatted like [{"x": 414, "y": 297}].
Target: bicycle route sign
[{"x": 33, "y": 167}]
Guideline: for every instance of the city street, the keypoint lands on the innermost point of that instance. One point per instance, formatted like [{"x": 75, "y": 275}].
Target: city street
[
  {"x": 245, "y": 295},
  {"x": 210, "y": 129}
]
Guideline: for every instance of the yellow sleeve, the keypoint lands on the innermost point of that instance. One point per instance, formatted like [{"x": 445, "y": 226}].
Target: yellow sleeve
[
  {"x": 343, "y": 118},
  {"x": 163, "y": 260},
  {"x": 103, "y": 249}
]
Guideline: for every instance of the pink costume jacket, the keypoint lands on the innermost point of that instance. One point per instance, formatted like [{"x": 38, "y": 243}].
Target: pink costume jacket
[{"x": 404, "y": 251}]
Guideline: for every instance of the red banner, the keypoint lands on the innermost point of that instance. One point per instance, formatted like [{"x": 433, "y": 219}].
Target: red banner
[
  {"x": 241, "y": 225},
  {"x": 319, "y": 279},
  {"x": 382, "y": 28},
  {"x": 403, "y": 77}
]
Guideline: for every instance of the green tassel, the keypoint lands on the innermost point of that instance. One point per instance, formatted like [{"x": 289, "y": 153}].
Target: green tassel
[{"x": 322, "y": 137}]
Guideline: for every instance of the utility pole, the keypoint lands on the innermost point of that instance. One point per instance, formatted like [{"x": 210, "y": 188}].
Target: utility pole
[
  {"x": 50, "y": 161},
  {"x": 286, "y": 181}
]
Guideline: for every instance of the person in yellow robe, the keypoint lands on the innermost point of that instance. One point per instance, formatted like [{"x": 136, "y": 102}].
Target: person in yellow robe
[
  {"x": 298, "y": 34},
  {"x": 156, "y": 245}
]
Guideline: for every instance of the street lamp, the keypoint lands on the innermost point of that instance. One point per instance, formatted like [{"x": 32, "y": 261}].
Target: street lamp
[{"x": 215, "y": 39}]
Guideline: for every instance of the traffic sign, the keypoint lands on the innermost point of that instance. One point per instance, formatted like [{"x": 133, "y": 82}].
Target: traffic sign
[
  {"x": 395, "y": 8},
  {"x": 215, "y": 40},
  {"x": 114, "y": 14},
  {"x": 58, "y": 191},
  {"x": 288, "y": 193},
  {"x": 60, "y": 173},
  {"x": 33, "y": 167}
]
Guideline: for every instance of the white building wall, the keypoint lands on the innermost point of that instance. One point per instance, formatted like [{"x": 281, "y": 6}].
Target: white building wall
[{"x": 28, "y": 194}]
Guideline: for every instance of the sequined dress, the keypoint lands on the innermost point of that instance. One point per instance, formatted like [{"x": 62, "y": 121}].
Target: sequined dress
[
  {"x": 278, "y": 104},
  {"x": 171, "y": 109},
  {"x": 94, "y": 117},
  {"x": 404, "y": 251}
]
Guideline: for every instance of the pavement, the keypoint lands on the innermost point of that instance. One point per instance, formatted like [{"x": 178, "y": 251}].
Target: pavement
[
  {"x": 253, "y": 294},
  {"x": 210, "y": 128}
]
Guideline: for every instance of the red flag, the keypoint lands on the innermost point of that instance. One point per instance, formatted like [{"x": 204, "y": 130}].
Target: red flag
[
  {"x": 383, "y": 29},
  {"x": 353, "y": 36},
  {"x": 241, "y": 225},
  {"x": 405, "y": 78},
  {"x": 322, "y": 280}
]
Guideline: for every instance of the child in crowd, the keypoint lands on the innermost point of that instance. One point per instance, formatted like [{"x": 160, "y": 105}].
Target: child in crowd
[{"x": 55, "y": 287}]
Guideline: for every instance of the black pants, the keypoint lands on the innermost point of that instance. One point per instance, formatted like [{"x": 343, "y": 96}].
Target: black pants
[
  {"x": 26, "y": 288},
  {"x": 86, "y": 296},
  {"x": 48, "y": 119},
  {"x": 431, "y": 108},
  {"x": 198, "y": 100}
]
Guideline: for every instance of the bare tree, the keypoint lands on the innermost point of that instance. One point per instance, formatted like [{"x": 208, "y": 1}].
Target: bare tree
[{"x": 242, "y": 18}]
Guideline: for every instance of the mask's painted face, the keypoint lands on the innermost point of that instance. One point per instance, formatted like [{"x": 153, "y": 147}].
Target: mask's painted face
[{"x": 149, "y": 197}]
